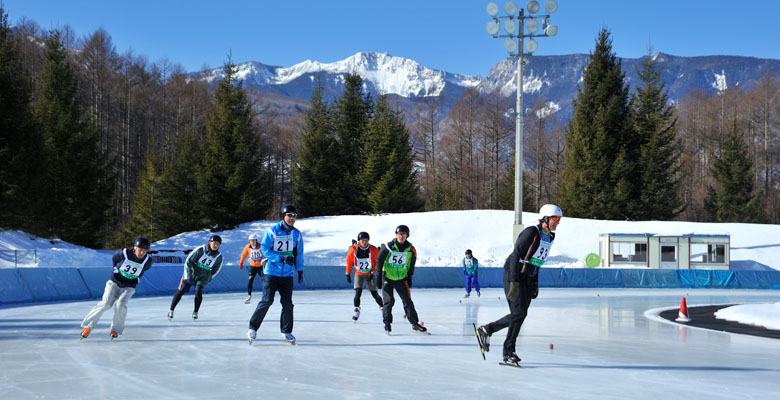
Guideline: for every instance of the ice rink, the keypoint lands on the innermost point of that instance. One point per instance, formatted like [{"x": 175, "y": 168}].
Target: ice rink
[{"x": 605, "y": 347}]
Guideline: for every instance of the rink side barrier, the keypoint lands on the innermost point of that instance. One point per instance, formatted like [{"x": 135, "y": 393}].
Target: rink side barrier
[{"x": 27, "y": 285}]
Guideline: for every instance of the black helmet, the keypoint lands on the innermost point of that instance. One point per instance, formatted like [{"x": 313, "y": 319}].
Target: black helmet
[
  {"x": 363, "y": 235},
  {"x": 288, "y": 208},
  {"x": 142, "y": 243},
  {"x": 215, "y": 238},
  {"x": 402, "y": 229},
  {"x": 468, "y": 251}
]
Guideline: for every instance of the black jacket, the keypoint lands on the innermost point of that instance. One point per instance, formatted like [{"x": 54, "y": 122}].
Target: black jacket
[{"x": 527, "y": 243}]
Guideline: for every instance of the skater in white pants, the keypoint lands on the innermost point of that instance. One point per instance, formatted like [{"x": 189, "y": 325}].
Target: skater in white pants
[{"x": 129, "y": 266}]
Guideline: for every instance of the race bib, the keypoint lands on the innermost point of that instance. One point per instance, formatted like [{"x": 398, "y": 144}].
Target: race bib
[
  {"x": 363, "y": 265},
  {"x": 541, "y": 254},
  {"x": 255, "y": 254},
  {"x": 130, "y": 269},
  {"x": 206, "y": 262},
  {"x": 469, "y": 262},
  {"x": 284, "y": 244},
  {"x": 397, "y": 259}
]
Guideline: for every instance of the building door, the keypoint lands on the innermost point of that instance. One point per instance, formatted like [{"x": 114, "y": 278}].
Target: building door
[{"x": 669, "y": 256}]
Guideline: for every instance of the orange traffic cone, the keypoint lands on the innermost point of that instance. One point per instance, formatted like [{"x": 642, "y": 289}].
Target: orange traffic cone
[{"x": 682, "y": 316}]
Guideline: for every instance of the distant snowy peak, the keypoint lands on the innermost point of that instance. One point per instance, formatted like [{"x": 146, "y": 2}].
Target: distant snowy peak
[{"x": 390, "y": 75}]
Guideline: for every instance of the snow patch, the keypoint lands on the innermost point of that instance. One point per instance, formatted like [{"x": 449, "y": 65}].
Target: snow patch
[{"x": 720, "y": 81}]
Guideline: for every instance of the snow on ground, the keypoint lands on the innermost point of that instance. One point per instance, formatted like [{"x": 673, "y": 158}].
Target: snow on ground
[{"x": 441, "y": 237}]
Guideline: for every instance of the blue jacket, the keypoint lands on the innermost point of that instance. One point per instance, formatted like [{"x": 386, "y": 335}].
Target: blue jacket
[{"x": 282, "y": 240}]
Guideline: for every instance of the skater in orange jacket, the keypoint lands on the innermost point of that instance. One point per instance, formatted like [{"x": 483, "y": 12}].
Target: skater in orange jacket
[{"x": 362, "y": 256}]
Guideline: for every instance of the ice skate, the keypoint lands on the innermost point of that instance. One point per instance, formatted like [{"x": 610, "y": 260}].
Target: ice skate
[
  {"x": 289, "y": 338},
  {"x": 479, "y": 294},
  {"x": 511, "y": 360},
  {"x": 85, "y": 333},
  {"x": 357, "y": 314},
  {"x": 252, "y": 334},
  {"x": 248, "y": 299},
  {"x": 483, "y": 338},
  {"x": 419, "y": 329},
  {"x": 114, "y": 335},
  {"x": 170, "y": 315},
  {"x": 195, "y": 316},
  {"x": 466, "y": 296},
  {"x": 388, "y": 329}
]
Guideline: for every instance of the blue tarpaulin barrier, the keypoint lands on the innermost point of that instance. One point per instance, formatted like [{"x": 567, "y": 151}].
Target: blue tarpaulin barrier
[{"x": 22, "y": 285}]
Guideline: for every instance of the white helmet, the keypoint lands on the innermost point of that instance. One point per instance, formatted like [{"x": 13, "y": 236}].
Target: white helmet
[
  {"x": 549, "y": 210},
  {"x": 253, "y": 236}
]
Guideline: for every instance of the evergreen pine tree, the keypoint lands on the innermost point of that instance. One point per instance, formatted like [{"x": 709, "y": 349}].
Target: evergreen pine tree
[
  {"x": 317, "y": 177},
  {"x": 388, "y": 174},
  {"x": 76, "y": 193},
  {"x": 21, "y": 143},
  {"x": 659, "y": 162},
  {"x": 351, "y": 114},
  {"x": 599, "y": 178},
  {"x": 734, "y": 199},
  {"x": 147, "y": 201},
  {"x": 233, "y": 184}
]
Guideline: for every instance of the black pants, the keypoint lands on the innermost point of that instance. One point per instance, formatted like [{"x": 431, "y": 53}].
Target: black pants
[
  {"x": 359, "y": 292},
  {"x": 518, "y": 310},
  {"x": 184, "y": 287},
  {"x": 388, "y": 300},
  {"x": 272, "y": 284},
  {"x": 252, "y": 272}
]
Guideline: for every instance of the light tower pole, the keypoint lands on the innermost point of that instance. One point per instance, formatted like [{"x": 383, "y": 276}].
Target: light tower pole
[{"x": 515, "y": 25}]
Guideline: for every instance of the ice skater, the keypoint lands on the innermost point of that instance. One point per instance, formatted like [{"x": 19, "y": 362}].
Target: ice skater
[
  {"x": 129, "y": 267},
  {"x": 470, "y": 266},
  {"x": 395, "y": 267},
  {"x": 200, "y": 267},
  {"x": 521, "y": 280},
  {"x": 256, "y": 263},
  {"x": 282, "y": 245},
  {"x": 362, "y": 256}
]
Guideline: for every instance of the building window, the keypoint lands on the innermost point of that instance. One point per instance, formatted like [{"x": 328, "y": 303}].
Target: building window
[
  {"x": 705, "y": 253},
  {"x": 626, "y": 252}
]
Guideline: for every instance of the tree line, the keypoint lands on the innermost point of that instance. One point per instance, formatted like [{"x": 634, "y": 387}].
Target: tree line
[{"x": 99, "y": 147}]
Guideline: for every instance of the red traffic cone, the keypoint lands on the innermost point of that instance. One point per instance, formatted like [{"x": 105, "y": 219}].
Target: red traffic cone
[{"x": 682, "y": 316}]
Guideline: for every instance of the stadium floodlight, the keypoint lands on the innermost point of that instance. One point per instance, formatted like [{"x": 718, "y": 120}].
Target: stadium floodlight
[
  {"x": 532, "y": 25},
  {"x": 550, "y": 6},
  {"x": 492, "y": 9},
  {"x": 516, "y": 24},
  {"x": 493, "y": 27}
]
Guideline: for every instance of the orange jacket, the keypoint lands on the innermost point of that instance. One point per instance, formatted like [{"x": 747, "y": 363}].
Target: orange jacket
[
  {"x": 352, "y": 261},
  {"x": 256, "y": 258}
]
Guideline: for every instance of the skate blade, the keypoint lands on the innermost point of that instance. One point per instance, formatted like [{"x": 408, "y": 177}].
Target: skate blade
[
  {"x": 509, "y": 364},
  {"x": 421, "y": 333},
  {"x": 479, "y": 341}
]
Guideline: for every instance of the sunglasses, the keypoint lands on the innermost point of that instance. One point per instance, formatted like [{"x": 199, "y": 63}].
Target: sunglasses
[
  {"x": 294, "y": 215},
  {"x": 555, "y": 218}
]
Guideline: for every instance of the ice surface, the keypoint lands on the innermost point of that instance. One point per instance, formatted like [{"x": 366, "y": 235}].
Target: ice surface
[{"x": 604, "y": 347}]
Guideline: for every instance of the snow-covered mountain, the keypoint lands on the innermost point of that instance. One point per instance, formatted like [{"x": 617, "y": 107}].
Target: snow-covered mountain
[{"x": 554, "y": 78}]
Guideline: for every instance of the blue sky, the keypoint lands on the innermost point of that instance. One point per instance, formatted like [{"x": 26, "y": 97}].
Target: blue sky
[{"x": 439, "y": 34}]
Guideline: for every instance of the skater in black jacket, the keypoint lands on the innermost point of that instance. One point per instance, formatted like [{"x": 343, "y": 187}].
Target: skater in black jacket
[{"x": 521, "y": 280}]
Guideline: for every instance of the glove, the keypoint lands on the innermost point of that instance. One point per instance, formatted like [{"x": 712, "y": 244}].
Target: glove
[
  {"x": 514, "y": 291},
  {"x": 240, "y": 266},
  {"x": 349, "y": 279},
  {"x": 409, "y": 280},
  {"x": 288, "y": 259},
  {"x": 464, "y": 272},
  {"x": 300, "y": 275},
  {"x": 378, "y": 282},
  {"x": 261, "y": 272},
  {"x": 535, "y": 291}
]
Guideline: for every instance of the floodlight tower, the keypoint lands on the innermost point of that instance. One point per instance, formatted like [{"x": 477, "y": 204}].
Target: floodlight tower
[{"x": 515, "y": 43}]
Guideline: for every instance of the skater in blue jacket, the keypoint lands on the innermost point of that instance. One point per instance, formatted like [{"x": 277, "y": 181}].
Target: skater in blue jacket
[{"x": 470, "y": 266}]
